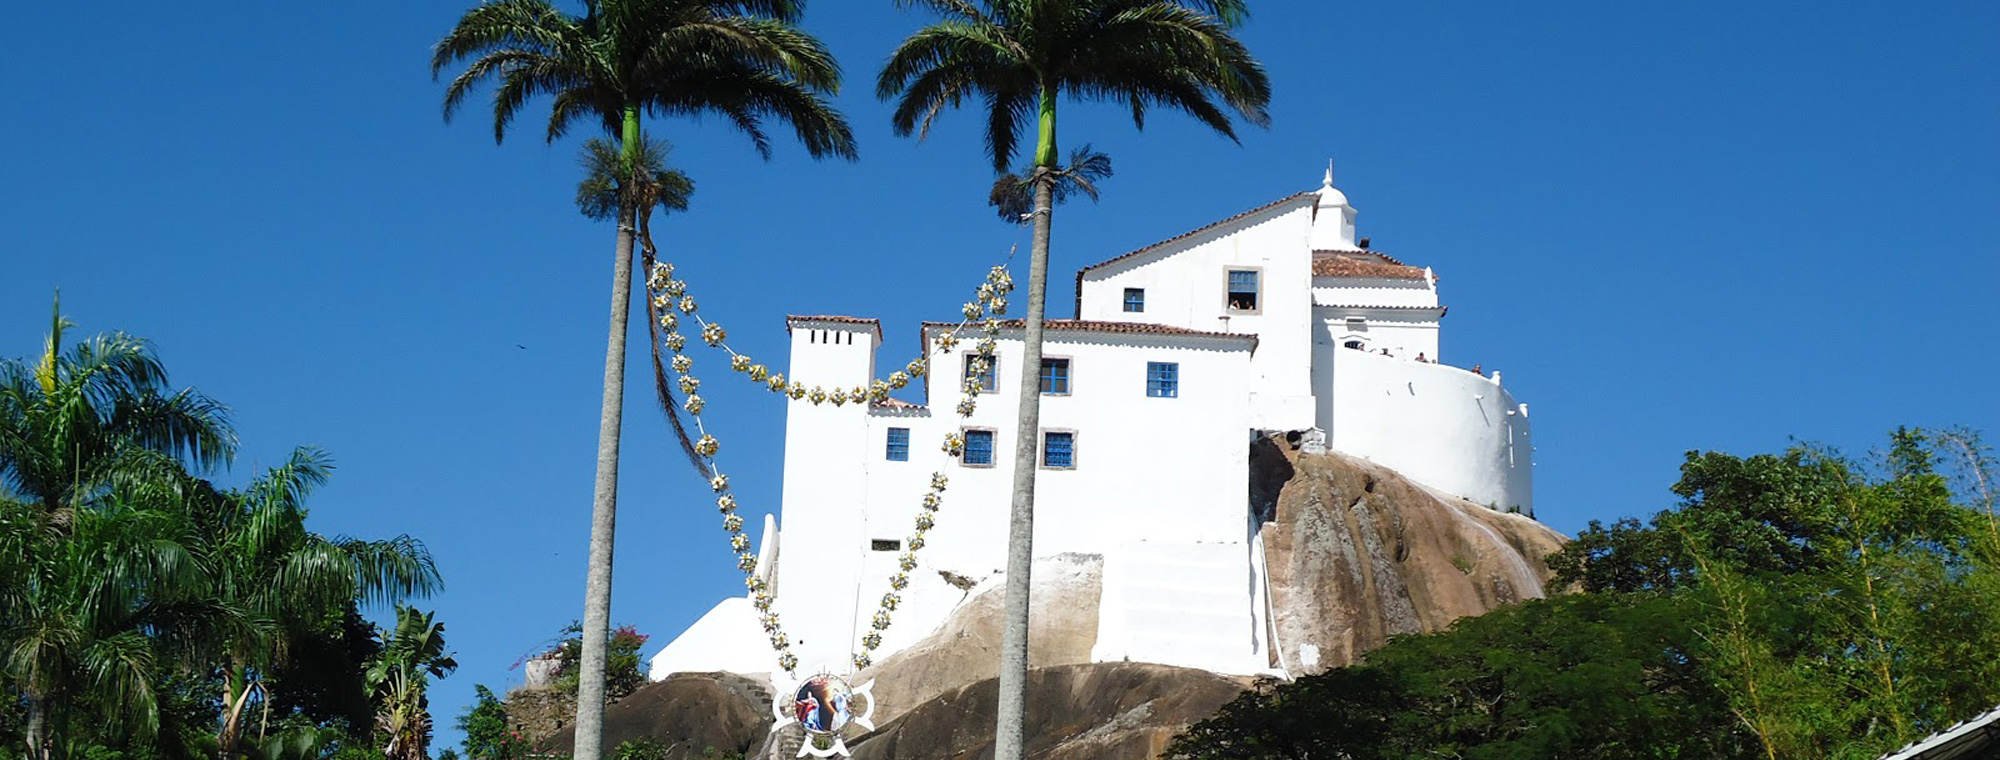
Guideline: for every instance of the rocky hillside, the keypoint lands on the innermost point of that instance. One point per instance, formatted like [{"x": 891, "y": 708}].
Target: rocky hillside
[{"x": 1356, "y": 553}]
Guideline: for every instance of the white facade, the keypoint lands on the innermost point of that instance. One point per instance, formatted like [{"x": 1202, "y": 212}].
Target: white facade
[{"x": 1275, "y": 319}]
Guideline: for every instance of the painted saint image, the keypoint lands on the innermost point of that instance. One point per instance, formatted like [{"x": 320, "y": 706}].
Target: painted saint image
[{"x": 822, "y": 704}]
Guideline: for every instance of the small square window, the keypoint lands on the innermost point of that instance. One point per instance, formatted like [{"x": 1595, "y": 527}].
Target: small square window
[
  {"x": 899, "y": 444},
  {"x": 1135, "y": 300},
  {"x": 1163, "y": 379},
  {"x": 1243, "y": 289},
  {"x": 989, "y": 378},
  {"x": 978, "y": 448},
  {"x": 1055, "y": 377},
  {"x": 1059, "y": 450},
  {"x": 885, "y": 545}
]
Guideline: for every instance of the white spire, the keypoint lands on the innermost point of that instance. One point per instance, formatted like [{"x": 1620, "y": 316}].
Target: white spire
[{"x": 1333, "y": 221}]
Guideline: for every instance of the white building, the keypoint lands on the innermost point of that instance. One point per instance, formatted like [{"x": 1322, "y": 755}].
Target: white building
[{"x": 1275, "y": 319}]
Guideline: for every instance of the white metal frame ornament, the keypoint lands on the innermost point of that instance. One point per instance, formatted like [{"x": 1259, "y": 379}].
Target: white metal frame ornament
[{"x": 833, "y": 698}]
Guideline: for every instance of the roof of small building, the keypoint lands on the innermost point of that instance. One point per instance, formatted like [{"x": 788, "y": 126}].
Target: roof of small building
[
  {"x": 1362, "y": 264},
  {"x": 1130, "y": 328},
  {"x": 792, "y": 319},
  {"x": 1973, "y": 738}
]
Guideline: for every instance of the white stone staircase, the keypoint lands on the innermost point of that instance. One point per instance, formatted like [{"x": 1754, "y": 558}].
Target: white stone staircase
[{"x": 1187, "y": 604}]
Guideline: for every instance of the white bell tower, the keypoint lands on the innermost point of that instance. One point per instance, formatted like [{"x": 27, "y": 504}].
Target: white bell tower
[{"x": 1333, "y": 219}]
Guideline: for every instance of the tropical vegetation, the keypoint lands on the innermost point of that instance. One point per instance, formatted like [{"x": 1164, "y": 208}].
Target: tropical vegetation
[
  {"x": 1796, "y": 605},
  {"x": 743, "y": 60},
  {"x": 145, "y": 610},
  {"x": 1020, "y": 58}
]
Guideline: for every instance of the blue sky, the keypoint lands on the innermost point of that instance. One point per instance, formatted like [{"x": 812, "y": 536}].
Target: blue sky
[{"x": 1673, "y": 226}]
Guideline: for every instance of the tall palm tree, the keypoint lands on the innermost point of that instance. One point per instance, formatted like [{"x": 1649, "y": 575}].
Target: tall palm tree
[
  {"x": 262, "y": 560},
  {"x": 1020, "y": 57},
  {"x": 412, "y": 654},
  {"x": 744, "y": 60}
]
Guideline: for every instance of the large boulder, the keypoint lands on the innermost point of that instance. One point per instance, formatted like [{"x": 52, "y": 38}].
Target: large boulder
[
  {"x": 1101, "y": 711},
  {"x": 691, "y": 713},
  {"x": 1357, "y": 553},
  {"x": 966, "y": 647}
]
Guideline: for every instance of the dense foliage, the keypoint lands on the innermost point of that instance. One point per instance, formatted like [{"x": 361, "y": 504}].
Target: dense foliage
[
  {"x": 1799, "y": 605},
  {"x": 146, "y": 611},
  {"x": 624, "y": 671}
]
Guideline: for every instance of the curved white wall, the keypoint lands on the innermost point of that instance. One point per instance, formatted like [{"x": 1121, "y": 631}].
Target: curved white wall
[{"x": 1441, "y": 426}]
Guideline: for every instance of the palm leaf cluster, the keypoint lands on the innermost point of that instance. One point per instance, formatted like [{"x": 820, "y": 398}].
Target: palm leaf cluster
[
  {"x": 127, "y": 579},
  {"x": 1018, "y": 56},
  {"x": 745, "y": 61}
]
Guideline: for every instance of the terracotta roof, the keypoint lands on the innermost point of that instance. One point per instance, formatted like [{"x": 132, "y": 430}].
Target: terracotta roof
[
  {"x": 1363, "y": 253},
  {"x": 1362, "y": 264},
  {"x": 1091, "y": 325},
  {"x": 791, "y": 319},
  {"x": 1287, "y": 200}
]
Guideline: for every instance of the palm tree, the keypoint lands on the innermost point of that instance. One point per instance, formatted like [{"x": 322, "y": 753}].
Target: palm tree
[
  {"x": 262, "y": 560},
  {"x": 744, "y": 60},
  {"x": 100, "y": 414},
  {"x": 99, "y": 580},
  {"x": 98, "y": 612},
  {"x": 1020, "y": 57},
  {"x": 399, "y": 678}
]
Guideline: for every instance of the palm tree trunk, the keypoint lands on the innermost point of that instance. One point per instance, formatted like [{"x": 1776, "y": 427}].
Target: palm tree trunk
[
  {"x": 1009, "y": 737},
  {"x": 604, "y": 507},
  {"x": 235, "y": 695},
  {"x": 38, "y": 728}
]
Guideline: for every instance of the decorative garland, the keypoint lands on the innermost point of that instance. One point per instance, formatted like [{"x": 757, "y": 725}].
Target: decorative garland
[{"x": 668, "y": 296}]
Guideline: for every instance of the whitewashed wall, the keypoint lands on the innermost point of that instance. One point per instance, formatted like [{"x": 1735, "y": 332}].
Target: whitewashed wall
[
  {"x": 1186, "y": 286},
  {"x": 1373, "y": 291},
  {"x": 1160, "y": 471},
  {"x": 1404, "y": 333},
  {"x": 1439, "y": 425},
  {"x": 823, "y": 492}
]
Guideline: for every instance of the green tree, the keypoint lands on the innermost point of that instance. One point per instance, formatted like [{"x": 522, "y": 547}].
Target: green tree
[
  {"x": 624, "y": 671},
  {"x": 296, "y": 584},
  {"x": 745, "y": 61},
  {"x": 484, "y": 724},
  {"x": 101, "y": 594},
  {"x": 1020, "y": 57},
  {"x": 1582, "y": 676},
  {"x": 100, "y": 414},
  {"x": 1800, "y": 605},
  {"x": 1843, "y": 607},
  {"x": 412, "y": 654}
]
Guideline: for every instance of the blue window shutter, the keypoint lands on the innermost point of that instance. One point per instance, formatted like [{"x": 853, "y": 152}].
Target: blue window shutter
[
  {"x": 1059, "y": 449},
  {"x": 1163, "y": 379},
  {"x": 1055, "y": 376},
  {"x": 978, "y": 447},
  {"x": 899, "y": 444}
]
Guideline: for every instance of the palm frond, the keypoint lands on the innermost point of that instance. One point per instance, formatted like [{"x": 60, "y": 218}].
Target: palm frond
[
  {"x": 1143, "y": 54},
  {"x": 606, "y": 176},
  {"x": 1013, "y": 195}
]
